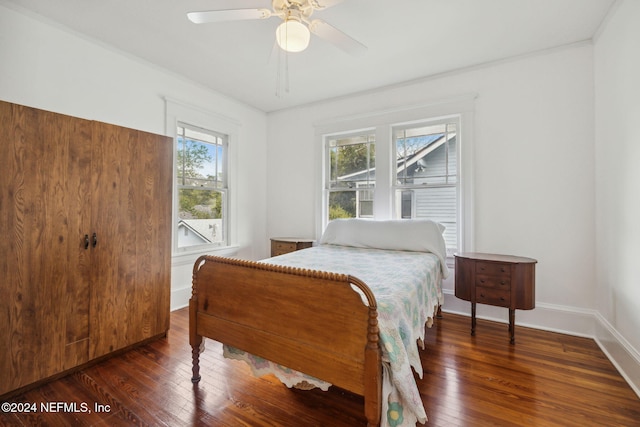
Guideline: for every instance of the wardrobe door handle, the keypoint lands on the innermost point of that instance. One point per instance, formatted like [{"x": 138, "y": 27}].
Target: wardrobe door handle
[
  {"x": 94, "y": 238},
  {"x": 86, "y": 241}
]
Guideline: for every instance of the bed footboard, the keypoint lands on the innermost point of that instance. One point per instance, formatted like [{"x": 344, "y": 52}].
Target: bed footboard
[{"x": 310, "y": 321}]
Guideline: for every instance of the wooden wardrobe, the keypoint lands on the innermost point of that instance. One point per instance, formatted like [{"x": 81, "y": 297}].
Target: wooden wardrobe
[{"x": 85, "y": 249}]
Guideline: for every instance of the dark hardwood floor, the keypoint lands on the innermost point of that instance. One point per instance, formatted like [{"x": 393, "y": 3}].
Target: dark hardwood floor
[{"x": 545, "y": 379}]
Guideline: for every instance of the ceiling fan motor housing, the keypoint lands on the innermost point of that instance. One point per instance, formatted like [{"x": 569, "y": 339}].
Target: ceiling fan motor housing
[{"x": 293, "y": 9}]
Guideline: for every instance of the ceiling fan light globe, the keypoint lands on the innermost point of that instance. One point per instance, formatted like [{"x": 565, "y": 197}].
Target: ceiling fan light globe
[{"x": 292, "y": 36}]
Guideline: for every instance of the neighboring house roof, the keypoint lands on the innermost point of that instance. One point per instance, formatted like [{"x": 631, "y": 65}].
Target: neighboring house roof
[
  {"x": 432, "y": 142},
  {"x": 200, "y": 227}
]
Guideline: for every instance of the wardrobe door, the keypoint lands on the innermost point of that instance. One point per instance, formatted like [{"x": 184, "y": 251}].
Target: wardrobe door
[
  {"x": 131, "y": 216},
  {"x": 45, "y": 209}
]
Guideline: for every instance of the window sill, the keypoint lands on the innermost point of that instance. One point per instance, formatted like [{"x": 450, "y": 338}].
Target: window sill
[{"x": 189, "y": 257}]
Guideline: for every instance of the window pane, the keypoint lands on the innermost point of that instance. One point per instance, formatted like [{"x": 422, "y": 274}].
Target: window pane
[
  {"x": 435, "y": 203},
  {"x": 200, "y": 217},
  {"x": 342, "y": 204},
  {"x": 200, "y": 164},
  {"x": 366, "y": 209},
  {"x": 352, "y": 161},
  {"x": 365, "y": 203},
  {"x": 426, "y": 155},
  {"x": 351, "y": 178},
  {"x": 406, "y": 204},
  {"x": 351, "y": 204}
]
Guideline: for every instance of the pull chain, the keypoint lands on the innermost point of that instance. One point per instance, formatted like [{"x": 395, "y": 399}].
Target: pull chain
[{"x": 282, "y": 83}]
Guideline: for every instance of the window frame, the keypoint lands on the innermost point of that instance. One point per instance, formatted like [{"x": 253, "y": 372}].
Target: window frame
[
  {"x": 223, "y": 188},
  {"x": 396, "y": 187},
  {"x": 382, "y": 123},
  {"x": 178, "y": 111},
  {"x": 328, "y": 189}
]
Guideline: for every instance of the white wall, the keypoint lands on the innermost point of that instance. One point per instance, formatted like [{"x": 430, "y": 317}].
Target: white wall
[
  {"x": 48, "y": 67},
  {"x": 617, "y": 71}
]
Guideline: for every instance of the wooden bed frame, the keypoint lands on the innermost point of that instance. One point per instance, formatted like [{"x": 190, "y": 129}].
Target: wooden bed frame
[{"x": 310, "y": 321}]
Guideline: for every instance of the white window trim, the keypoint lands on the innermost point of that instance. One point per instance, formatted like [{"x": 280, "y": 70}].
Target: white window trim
[
  {"x": 176, "y": 112},
  {"x": 383, "y": 122}
]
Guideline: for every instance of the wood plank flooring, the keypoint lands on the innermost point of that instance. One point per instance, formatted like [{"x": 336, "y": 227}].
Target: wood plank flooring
[{"x": 545, "y": 379}]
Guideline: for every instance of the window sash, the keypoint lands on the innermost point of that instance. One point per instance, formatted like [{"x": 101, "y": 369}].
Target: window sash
[
  {"x": 360, "y": 170},
  {"x": 216, "y": 145},
  {"x": 426, "y": 171},
  {"x": 205, "y": 223},
  {"x": 350, "y": 175}
]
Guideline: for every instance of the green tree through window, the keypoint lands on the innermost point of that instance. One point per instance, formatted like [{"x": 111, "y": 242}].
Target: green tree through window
[
  {"x": 351, "y": 176},
  {"x": 201, "y": 186}
]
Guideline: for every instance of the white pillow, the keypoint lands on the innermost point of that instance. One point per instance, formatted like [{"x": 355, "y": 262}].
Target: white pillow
[{"x": 420, "y": 235}]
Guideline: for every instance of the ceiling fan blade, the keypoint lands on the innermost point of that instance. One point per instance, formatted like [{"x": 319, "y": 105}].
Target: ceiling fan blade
[
  {"x": 323, "y": 4},
  {"x": 337, "y": 37},
  {"x": 228, "y": 15}
]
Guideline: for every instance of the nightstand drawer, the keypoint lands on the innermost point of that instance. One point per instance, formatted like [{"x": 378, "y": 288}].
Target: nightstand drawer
[
  {"x": 493, "y": 296},
  {"x": 284, "y": 247},
  {"x": 495, "y": 282},
  {"x": 493, "y": 269}
]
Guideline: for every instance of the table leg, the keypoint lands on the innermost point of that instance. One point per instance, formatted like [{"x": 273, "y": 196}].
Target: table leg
[
  {"x": 512, "y": 325},
  {"x": 473, "y": 319}
]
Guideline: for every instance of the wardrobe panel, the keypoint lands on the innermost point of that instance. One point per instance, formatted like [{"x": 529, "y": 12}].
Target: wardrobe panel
[
  {"x": 44, "y": 208},
  {"x": 153, "y": 238},
  {"x": 131, "y": 214}
]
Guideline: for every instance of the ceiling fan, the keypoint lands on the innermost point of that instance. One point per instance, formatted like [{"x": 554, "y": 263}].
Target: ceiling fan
[{"x": 294, "y": 33}]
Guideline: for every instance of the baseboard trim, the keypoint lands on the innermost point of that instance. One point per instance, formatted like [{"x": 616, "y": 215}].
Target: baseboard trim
[
  {"x": 624, "y": 357},
  {"x": 565, "y": 320},
  {"x": 180, "y": 298}
]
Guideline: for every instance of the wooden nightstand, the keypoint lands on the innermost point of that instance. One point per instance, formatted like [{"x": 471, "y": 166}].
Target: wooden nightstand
[
  {"x": 284, "y": 245},
  {"x": 500, "y": 280}
]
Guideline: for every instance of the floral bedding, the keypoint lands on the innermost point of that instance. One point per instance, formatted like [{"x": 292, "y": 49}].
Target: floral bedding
[{"x": 407, "y": 287}]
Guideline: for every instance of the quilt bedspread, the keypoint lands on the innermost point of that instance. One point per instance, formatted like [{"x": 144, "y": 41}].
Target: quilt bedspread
[{"x": 407, "y": 287}]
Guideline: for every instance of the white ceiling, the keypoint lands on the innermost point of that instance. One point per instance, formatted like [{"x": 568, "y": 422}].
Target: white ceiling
[{"x": 406, "y": 40}]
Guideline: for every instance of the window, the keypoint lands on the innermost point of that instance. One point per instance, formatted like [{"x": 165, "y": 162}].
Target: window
[
  {"x": 409, "y": 163},
  {"x": 201, "y": 159},
  {"x": 350, "y": 179},
  {"x": 426, "y": 174}
]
